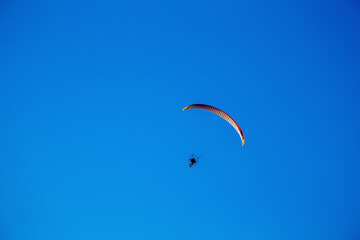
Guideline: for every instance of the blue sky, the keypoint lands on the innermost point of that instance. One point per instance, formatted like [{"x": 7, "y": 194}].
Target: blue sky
[{"x": 94, "y": 143}]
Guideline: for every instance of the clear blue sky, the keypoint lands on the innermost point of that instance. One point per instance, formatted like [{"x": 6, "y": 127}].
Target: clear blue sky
[{"x": 94, "y": 143}]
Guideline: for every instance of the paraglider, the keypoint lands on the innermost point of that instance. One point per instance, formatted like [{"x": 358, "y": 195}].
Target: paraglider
[{"x": 193, "y": 159}]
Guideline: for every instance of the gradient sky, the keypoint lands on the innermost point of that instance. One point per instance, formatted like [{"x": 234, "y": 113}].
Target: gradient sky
[{"x": 94, "y": 143}]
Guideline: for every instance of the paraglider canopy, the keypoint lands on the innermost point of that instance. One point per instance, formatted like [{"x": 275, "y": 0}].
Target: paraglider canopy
[{"x": 221, "y": 114}]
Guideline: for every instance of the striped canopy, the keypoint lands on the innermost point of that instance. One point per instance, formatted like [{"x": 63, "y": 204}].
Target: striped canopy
[{"x": 221, "y": 114}]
